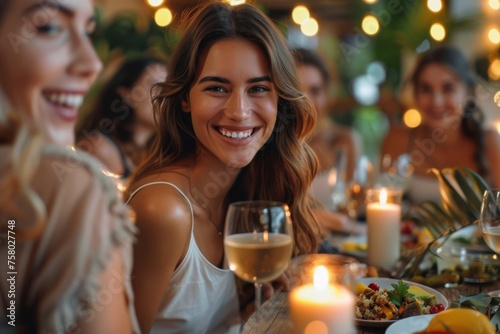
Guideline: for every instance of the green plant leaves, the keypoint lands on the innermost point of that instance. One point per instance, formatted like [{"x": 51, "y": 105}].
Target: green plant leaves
[{"x": 461, "y": 190}]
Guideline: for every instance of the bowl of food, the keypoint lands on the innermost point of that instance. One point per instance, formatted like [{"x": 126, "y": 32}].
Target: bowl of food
[{"x": 465, "y": 253}]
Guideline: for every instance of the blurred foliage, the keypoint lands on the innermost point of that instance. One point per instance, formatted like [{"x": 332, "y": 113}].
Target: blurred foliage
[
  {"x": 404, "y": 25},
  {"x": 461, "y": 190},
  {"x": 127, "y": 35}
]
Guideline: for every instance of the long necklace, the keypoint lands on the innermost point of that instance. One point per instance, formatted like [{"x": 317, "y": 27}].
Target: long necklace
[{"x": 218, "y": 228}]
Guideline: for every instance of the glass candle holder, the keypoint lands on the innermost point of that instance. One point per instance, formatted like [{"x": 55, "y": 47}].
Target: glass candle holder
[
  {"x": 321, "y": 299},
  {"x": 383, "y": 218}
]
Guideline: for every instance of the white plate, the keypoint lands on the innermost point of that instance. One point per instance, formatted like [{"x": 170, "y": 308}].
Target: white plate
[
  {"x": 386, "y": 283},
  {"x": 410, "y": 325}
]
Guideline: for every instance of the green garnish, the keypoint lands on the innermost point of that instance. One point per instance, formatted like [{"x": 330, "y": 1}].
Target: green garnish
[{"x": 399, "y": 293}]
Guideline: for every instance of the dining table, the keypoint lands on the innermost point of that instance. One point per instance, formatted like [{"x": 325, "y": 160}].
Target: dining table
[{"x": 273, "y": 315}]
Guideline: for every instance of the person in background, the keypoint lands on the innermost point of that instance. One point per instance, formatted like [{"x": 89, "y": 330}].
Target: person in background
[
  {"x": 66, "y": 236},
  {"x": 121, "y": 122},
  {"x": 451, "y": 133},
  {"x": 232, "y": 126},
  {"x": 336, "y": 147}
]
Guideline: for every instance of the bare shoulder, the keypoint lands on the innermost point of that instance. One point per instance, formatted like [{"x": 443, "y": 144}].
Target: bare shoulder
[
  {"x": 160, "y": 206},
  {"x": 103, "y": 148}
]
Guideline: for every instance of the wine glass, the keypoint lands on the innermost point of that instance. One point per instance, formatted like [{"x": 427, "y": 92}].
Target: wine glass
[
  {"x": 258, "y": 241},
  {"x": 489, "y": 219}
]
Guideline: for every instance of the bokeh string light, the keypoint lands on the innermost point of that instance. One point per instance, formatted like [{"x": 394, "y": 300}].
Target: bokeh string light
[{"x": 163, "y": 17}]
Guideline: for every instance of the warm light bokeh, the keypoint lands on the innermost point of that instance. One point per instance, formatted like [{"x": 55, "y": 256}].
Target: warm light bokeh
[
  {"x": 438, "y": 32},
  {"x": 300, "y": 14},
  {"x": 434, "y": 5},
  {"x": 235, "y": 2},
  {"x": 155, "y": 3},
  {"x": 497, "y": 126},
  {"x": 412, "y": 118},
  {"x": 309, "y": 27},
  {"x": 496, "y": 99},
  {"x": 494, "y": 70},
  {"x": 163, "y": 17},
  {"x": 494, "y": 4},
  {"x": 370, "y": 25},
  {"x": 494, "y": 36}
]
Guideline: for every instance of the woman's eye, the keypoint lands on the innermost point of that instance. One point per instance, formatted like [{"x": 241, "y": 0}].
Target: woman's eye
[
  {"x": 449, "y": 89},
  {"x": 49, "y": 29},
  {"x": 216, "y": 89},
  {"x": 424, "y": 89},
  {"x": 259, "y": 89}
]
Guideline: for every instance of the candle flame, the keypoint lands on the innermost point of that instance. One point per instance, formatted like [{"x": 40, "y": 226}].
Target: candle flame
[
  {"x": 383, "y": 196},
  {"x": 320, "y": 278},
  {"x": 265, "y": 236}
]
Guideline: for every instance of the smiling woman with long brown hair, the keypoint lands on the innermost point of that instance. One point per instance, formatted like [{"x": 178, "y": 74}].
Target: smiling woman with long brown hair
[{"x": 232, "y": 125}]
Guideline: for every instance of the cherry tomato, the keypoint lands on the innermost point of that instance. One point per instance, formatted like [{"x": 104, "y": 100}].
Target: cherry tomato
[
  {"x": 433, "y": 310},
  {"x": 374, "y": 286},
  {"x": 440, "y": 307}
]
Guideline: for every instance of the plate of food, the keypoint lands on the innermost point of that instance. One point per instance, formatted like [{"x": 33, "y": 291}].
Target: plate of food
[{"x": 382, "y": 301}]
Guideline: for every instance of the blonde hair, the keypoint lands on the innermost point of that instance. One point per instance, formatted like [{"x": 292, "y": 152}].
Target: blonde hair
[{"x": 26, "y": 142}]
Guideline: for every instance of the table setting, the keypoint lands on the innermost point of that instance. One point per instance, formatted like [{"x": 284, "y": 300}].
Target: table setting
[{"x": 452, "y": 270}]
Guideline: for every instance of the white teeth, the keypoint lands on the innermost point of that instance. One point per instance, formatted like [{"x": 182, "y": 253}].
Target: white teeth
[
  {"x": 69, "y": 100},
  {"x": 234, "y": 134}
]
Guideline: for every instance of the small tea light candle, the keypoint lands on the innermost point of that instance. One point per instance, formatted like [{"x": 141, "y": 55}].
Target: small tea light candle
[
  {"x": 383, "y": 223},
  {"x": 322, "y": 308}
]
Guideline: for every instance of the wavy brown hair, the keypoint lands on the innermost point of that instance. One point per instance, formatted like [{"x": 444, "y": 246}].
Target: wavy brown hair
[
  {"x": 472, "y": 121},
  {"x": 285, "y": 166}
]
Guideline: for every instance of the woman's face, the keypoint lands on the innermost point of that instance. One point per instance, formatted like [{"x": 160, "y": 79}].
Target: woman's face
[
  {"x": 140, "y": 94},
  {"x": 440, "y": 96},
  {"x": 233, "y": 102},
  {"x": 313, "y": 86},
  {"x": 47, "y": 62}
]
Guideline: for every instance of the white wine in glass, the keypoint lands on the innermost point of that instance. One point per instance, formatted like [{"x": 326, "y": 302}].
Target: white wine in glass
[
  {"x": 258, "y": 241},
  {"x": 489, "y": 219}
]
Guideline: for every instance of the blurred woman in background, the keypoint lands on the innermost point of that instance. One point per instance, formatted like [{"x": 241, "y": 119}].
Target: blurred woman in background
[
  {"x": 120, "y": 122},
  {"x": 336, "y": 147},
  {"x": 451, "y": 133}
]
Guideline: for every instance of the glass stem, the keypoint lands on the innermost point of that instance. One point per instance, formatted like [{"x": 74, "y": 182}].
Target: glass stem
[{"x": 258, "y": 295}]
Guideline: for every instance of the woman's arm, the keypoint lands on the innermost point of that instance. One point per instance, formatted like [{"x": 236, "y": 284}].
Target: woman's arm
[{"x": 164, "y": 223}]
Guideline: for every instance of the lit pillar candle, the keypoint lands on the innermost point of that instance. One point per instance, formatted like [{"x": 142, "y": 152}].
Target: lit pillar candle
[
  {"x": 322, "y": 308},
  {"x": 383, "y": 223}
]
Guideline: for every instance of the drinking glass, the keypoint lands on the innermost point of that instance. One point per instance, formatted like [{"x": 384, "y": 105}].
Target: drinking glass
[
  {"x": 489, "y": 219},
  {"x": 258, "y": 241}
]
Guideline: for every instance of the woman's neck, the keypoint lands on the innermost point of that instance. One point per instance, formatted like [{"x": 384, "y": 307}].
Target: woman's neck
[
  {"x": 210, "y": 178},
  {"x": 449, "y": 136}
]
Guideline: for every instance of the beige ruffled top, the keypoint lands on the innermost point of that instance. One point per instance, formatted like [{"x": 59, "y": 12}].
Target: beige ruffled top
[{"x": 57, "y": 273}]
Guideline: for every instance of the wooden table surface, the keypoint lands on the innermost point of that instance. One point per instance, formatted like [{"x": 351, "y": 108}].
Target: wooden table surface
[{"x": 272, "y": 317}]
